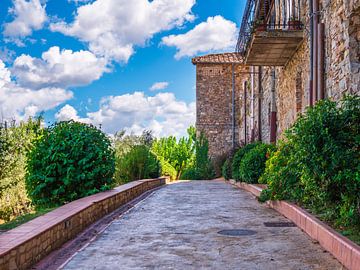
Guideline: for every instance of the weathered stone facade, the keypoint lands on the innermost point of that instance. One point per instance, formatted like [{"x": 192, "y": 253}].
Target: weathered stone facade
[
  {"x": 341, "y": 66},
  {"x": 218, "y": 108},
  {"x": 290, "y": 83}
]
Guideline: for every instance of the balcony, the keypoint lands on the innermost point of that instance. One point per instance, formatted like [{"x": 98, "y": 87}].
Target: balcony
[{"x": 266, "y": 38}]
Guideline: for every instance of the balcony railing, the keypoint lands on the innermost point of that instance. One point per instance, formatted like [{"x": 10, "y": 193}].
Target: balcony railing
[{"x": 279, "y": 19}]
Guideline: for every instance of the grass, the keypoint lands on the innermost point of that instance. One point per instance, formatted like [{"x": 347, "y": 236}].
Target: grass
[{"x": 24, "y": 218}]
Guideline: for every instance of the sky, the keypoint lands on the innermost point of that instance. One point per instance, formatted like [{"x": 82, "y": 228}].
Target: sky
[{"x": 118, "y": 64}]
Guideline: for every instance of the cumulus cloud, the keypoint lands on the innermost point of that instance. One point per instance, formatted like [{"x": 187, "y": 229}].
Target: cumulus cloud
[
  {"x": 162, "y": 113},
  {"x": 159, "y": 86},
  {"x": 216, "y": 34},
  {"x": 28, "y": 16},
  {"x": 59, "y": 68},
  {"x": 113, "y": 27},
  {"x": 17, "y": 102},
  {"x": 67, "y": 113}
]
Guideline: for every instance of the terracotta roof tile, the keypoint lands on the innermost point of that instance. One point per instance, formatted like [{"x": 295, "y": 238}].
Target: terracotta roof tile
[{"x": 221, "y": 58}]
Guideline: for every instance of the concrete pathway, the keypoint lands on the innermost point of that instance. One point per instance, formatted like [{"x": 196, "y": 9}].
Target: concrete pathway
[{"x": 177, "y": 228}]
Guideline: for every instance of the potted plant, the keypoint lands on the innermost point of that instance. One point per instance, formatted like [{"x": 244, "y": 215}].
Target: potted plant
[{"x": 294, "y": 24}]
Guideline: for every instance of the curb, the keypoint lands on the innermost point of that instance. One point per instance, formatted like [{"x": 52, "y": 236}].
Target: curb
[{"x": 344, "y": 250}]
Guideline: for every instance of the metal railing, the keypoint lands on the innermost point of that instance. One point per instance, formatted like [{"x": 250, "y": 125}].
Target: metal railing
[{"x": 268, "y": 15}]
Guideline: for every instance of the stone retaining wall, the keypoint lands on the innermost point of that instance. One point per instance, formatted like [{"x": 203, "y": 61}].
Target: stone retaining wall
[{"x": 27, "y": 244}]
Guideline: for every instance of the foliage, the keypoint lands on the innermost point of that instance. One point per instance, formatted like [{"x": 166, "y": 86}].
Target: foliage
[
  {"x": 179, "y": 154},
  {"x": 167, "y": 169},
  {"x": 190, "y": 174},
  {"x": 71, "y": 160},
  {"x": 282, "y": 174},
  {"x": 252, "y": 164},
  {"x": 15, "y": 142},
  {"x": 237, "y": 159},
  {"x": 138, "y": 163},
  {"x": 124, "y": 144},
  {"x": 202, "y": 168},
  {"x": 322, "y": 159},
  {"x": 226, "y": 169}
]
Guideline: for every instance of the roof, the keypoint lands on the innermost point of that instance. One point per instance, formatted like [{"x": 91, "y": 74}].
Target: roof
[{"x": 220, "y": 58}]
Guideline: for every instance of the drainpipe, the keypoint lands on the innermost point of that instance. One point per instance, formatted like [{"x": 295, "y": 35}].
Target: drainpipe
[
  {"x": 273, "y": 109},
  {"x": 259, "y": 103},
  {"x": 252, "y": 123},
  {"x": 315, "y": 48},
  {"x": 245, "y": 112},
  {"x": 233, "y": 106},
  {"x": 311, "y": 82},
  {"x": 321, "y": 61}
]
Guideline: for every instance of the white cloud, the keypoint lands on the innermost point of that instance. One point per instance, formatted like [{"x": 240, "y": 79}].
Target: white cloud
[
  {"x": 159, "y": 86},
  {"x": 17, "y": 102},
  {"x": 113, "y": 27},
  {"x": 69, "y": 113},
  {"x": 28, "y": 16},
  {"x": 216, "y": 34},
  {"x": 57, "y": 68},
  {"x": 162, "y": 113}
]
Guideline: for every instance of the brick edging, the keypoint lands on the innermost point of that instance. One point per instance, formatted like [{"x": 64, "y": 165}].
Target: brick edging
[
  {"x": 22, "y": 247},
  {"x": 344, "y": 250}
]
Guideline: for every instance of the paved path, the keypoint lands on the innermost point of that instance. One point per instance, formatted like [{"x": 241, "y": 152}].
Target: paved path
[{"x": 177, "y": 228}]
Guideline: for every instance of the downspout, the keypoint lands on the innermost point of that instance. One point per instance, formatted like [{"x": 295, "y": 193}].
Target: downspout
[
  {"x": 252, "y": 123},
  {"x": 315, "y": 48},
  {"x": 259, "y": 104},
  {"x": 321, "y": 61},
  {"x": 273, "y": 119},
  {"x": 311, "y": 82},
  {"x": 245, "y": 112},
  {"x": 233, "y": 106}
]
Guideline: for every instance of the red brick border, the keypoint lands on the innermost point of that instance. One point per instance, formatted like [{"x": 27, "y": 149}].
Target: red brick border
[
  {"x": 27, "y": 244},
  {"x": 346, "y": 251}
]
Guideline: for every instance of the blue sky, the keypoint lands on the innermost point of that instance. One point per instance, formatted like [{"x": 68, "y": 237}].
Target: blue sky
[{"x": 119, "y": 63}]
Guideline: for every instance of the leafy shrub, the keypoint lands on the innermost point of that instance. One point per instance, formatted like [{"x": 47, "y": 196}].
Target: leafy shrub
[
  {"x": 179, "y": 154},
  {"x": 15, "y": 142},
  {"x": 237, "y": 159},
  {"x": 190, "y": 174},
  {"x": 226, "y": 169},
  {"x": 138, "y": 163},
  {"x": 252, "y": 164},
  {"x": 322, "y": 159},
  {"x": 281, "y": 175},
  {"x": 168, "y": 170},
  {"x": 202, "y": 167},
  {"x": 70, "y": 161}
]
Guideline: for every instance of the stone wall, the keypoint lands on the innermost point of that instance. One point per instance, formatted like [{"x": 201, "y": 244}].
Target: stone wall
[
  {"x": 342, "y": 65},
  {"x": 214, "y": 105}
]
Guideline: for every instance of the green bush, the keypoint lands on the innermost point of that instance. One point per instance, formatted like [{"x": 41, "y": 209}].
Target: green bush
[
  {"x": 168, "y": 170},
  {"x": 138, "y": 163},
  {"x": 226, "y": 169},
  {"x": 190, "y": 174},
  {"x": 237, "y": 159},
  {"x": 252, "y": 164},
  {"x": 15, "y": 142},
  {"x": 71, "y": 160},
  {"x": 281, "y": 175},
  {"x": 322, "y": 160}
]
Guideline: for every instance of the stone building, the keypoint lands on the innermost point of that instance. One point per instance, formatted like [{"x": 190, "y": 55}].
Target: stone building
[
  {"x": 298, "y": 52},
  {"x": 220, "y": 80},
  {"x": 290, "y": 54}
]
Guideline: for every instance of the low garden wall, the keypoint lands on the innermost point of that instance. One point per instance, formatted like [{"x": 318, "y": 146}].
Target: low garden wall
[
  {"x": 344, "y": 250},
  {"x": 27, "y": 244}
]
